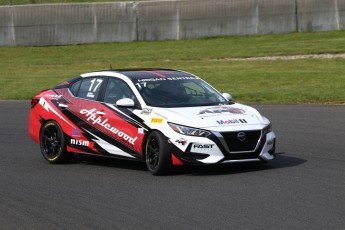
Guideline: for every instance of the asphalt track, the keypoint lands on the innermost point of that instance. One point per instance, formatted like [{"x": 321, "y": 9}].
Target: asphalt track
[{"x": 304, "y": 188}]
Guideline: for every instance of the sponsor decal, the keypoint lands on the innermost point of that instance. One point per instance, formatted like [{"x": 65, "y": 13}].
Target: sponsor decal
[
  {"x": 53, "y": 96},
  {"x": 231, "y": 121},
  {"x": 155, "y": 120},
  {"x": 203, "y": 146},
  {"x": 95, "y": 119},
  {"x": 76, "y": 132},
  {"x": 82, "y": 143},
  {"x": 181, "y": 141},
  {"x": 146, "y": 111},
  {"x": 140, "y": 130},
  {"x": 90, "y": 94},
  {"x": 165, "y": 79},
  {"x": 222, "y": 109}
]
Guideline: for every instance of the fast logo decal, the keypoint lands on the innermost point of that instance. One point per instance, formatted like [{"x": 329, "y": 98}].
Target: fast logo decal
[
  {"x": 95, "y": 119},
  {"x": 221, "y": 109},
  {"x": 231, "y": 121},
  {"x": 203, "y": 146},
  {"x": 157, "y": 121},
  {"x": 82, "y": 143}
]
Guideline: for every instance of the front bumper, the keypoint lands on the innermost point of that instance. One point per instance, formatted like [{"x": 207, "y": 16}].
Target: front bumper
[{"x": 217, "y": 150}]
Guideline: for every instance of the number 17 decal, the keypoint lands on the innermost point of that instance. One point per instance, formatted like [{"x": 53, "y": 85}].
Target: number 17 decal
[{"x": 99, "y": 81}]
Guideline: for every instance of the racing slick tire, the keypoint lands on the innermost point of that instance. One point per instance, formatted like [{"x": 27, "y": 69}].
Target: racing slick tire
[
  {"x": 52, "y": 143},
  {"x": 157, "y": 154}
]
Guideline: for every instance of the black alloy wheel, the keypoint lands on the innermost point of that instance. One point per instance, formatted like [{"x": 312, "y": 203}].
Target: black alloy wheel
[
  {"x": 52, "y": 143},
  {"x": 158, "y": 158},
  {"x": 152, "y": 155}
]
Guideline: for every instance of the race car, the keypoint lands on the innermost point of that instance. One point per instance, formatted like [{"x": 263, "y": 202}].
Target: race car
[{"x": 161, "y": 116}]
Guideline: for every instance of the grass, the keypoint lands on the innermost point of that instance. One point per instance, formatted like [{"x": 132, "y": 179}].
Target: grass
[{"x": 26, "y": 70}]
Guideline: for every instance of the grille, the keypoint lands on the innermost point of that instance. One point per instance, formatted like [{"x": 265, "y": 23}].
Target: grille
[{"x": 247, "y": 145}]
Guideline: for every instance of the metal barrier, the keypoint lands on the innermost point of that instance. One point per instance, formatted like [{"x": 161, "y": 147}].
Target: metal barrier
[{"x": 65, "y": 24}]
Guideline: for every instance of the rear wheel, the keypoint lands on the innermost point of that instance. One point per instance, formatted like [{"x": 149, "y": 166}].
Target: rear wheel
[
  {"x": 158, "y": 156},
  {"x": 52, "y": 143}
]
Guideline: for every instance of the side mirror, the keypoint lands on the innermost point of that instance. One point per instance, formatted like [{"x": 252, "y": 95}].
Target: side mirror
[
  {"x": 125, "y": 102},
  {"x": 227, "y": 96}
]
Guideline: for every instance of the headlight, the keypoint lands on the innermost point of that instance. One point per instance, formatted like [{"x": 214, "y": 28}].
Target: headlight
[
  {"x": 267, "y": 129},
  {"x": 189, "y": 131}
]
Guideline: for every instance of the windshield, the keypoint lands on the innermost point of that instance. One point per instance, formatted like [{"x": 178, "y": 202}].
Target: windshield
[{"x": 177, "y": 92}]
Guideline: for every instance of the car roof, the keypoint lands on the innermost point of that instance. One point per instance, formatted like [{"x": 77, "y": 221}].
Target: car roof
[{"x": 142, "y": 73}]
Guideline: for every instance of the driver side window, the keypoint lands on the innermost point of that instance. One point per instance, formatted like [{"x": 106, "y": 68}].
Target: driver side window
[{"x": 117, "y": 89}]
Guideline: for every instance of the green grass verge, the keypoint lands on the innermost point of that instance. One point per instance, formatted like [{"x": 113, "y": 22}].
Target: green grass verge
[{"x": 26, "y": 70}]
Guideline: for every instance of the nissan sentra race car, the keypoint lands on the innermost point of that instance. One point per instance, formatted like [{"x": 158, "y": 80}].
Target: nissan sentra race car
[{"x": 160, "y": 116}]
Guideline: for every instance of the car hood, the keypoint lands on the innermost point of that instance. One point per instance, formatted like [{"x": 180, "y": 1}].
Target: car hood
[{"x": 214, "y": 117}]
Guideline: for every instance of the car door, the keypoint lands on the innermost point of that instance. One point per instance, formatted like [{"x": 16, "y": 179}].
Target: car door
[
  {"x": 86, "y": 93},
  {"x": 112, "y": 130},
  {"x": 125, "y": 127}
]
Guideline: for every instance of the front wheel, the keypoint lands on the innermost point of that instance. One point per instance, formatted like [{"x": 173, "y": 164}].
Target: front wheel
[
  {"x": 157, "y": 152},
  {"x": 52, "y": 143}
]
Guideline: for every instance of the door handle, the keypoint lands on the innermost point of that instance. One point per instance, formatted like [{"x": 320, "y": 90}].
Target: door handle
[{"x": 62, "y": 105}]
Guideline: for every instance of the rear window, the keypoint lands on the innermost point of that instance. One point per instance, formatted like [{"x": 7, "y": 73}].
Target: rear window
[
  {"x": 75, "y": 87},
  {"x": 87, "y": 88}
]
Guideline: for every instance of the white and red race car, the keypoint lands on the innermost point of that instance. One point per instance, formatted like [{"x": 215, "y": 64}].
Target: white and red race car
[{"x": 161, "y": 116}]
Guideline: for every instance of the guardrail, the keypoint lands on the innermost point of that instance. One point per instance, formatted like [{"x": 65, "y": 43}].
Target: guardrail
[{"x": 65, "y": 24}]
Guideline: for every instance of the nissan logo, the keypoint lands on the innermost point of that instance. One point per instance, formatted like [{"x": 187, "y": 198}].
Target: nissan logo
[{"x": 241, "y": 136}]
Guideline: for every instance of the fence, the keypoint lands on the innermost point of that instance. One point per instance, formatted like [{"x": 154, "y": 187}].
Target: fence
[{"x": 64, "y": 24}]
